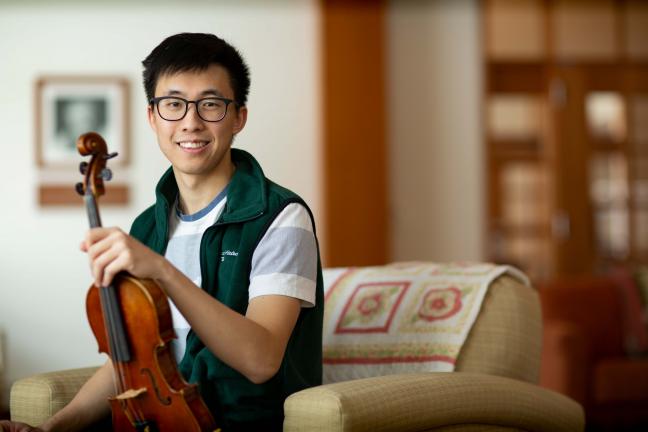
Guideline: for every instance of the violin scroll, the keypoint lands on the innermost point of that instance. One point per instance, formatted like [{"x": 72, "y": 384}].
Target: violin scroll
[{"x": 95, "y": 171}]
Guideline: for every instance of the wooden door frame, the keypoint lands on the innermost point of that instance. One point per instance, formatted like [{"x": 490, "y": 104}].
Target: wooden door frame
[{"x": 355, "y": 167}]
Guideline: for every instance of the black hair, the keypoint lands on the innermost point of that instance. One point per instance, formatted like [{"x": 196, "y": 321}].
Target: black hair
[{"x": 196, "y": 52}]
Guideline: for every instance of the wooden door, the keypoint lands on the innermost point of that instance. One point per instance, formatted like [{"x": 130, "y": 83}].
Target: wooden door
[{"x": 599, "y": 117}]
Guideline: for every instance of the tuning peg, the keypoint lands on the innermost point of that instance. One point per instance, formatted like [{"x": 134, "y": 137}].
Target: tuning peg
[
  {"x": 79, "y": 188},
  {"x": 106, "y": 174},
  {"x": 83, "y": 167}
]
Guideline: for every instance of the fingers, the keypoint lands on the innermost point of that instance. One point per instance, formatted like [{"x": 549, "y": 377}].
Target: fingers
[
  {"x": 110, "y": 250},
  {"x": 102, "y": 244},
  {"x": 95, "y": 234},
  {"x": 110, "y": 262},
  {"x": 121, "y": 262},
  {"x": 99, "y": 263},
  {"x": 108, "y": 254}
]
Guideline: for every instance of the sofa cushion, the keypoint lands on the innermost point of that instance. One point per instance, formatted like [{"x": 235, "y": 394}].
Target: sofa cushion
[
  {"x": 406, "y": 317},
  {"x": 621, "y": 379}
]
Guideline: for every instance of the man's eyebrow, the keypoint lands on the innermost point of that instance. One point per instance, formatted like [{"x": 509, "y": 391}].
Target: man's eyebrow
[
  {"x": 211, "y": 92},
  {"x": 208, "y": 92}
]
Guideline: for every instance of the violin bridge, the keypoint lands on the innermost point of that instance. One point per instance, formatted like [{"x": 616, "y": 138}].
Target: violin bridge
[{"x": 131, "y": 394}]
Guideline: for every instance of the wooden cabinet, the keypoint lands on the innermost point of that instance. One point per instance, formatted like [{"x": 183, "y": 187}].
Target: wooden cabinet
[{"x": 566, "y": 133}]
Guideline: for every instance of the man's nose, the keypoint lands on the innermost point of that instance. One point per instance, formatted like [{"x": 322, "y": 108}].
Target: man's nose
[{"x": 192, "y": 119}]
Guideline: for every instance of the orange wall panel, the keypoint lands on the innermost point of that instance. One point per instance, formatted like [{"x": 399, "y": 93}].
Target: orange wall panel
[{"x": 355, "y": 144}]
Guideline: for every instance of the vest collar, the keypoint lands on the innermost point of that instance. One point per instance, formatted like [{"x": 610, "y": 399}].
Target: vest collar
[{"x": 246, "y": 197}]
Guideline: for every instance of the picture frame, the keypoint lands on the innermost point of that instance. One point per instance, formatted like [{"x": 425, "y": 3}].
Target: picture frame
[
  {"x": 70, "y": 105},
  {"x": 67, "y": 106}
]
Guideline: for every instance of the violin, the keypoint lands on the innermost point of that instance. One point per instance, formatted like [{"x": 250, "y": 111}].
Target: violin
[{"x": 131, "y": 321}]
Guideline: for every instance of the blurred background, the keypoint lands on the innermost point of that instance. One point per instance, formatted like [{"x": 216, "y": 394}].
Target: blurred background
[{"x": 513, "y": 131}]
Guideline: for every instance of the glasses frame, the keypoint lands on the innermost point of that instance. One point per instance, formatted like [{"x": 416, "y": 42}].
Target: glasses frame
[{"x": 155, "y": 102}]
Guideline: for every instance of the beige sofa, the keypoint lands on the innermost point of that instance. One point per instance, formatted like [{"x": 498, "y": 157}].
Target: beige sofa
[{"x": 492, "y": 389}]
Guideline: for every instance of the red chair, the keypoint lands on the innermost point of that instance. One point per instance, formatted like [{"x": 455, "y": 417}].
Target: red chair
[{"x": 587, "y": 324}]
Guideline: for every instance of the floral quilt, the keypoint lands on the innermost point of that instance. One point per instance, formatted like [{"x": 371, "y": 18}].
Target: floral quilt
[{"x": 403, "y": 317}]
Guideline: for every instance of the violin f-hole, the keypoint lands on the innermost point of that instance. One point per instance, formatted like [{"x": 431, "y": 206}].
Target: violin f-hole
[{"x": 163, "y": 401}]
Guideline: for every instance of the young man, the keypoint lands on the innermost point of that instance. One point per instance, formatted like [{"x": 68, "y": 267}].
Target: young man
[{"x": 235, "y": 253}]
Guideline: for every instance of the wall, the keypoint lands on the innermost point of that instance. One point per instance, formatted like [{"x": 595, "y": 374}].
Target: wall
[
  {"x": 43, "y": 276},
  {"x": 434, "y": 99}
]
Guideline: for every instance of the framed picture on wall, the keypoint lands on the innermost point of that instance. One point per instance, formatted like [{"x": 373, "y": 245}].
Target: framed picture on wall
[{"x": 69, "y": 106}]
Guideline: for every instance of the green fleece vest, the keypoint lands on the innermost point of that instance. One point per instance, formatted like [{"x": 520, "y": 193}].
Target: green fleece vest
[{"x": 226, "y": 250}]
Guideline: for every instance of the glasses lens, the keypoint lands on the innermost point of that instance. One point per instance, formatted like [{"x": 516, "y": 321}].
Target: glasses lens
[
  {"x": 172, "y": 108},
  {"x": 212, "y": 109}
]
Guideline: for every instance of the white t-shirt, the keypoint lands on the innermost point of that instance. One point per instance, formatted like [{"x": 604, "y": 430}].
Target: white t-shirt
[{"x": 283, "y": 263}]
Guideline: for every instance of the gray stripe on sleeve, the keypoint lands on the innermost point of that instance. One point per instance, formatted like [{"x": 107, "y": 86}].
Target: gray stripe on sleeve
[{"x": 288, "y": 250}]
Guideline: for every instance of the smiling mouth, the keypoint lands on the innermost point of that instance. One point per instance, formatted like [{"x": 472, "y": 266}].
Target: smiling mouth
[{"x": 192, "y": 145}]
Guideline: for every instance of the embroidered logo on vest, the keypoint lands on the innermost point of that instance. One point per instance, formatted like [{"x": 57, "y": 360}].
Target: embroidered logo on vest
[{"x": 228, "y": 253}]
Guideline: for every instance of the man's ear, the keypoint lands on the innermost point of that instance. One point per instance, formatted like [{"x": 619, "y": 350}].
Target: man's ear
[
  {"x": 150, "y": 114},
  {"x": 241, "y": 119}
]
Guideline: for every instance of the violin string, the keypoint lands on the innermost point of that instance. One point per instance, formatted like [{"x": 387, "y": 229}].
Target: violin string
[{"x": 114, "y": 332}]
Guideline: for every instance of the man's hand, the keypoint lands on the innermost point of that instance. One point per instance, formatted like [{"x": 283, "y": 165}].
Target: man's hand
[
  {"x": 110, "y": 250},
  {"x": 9, "y": 426}
]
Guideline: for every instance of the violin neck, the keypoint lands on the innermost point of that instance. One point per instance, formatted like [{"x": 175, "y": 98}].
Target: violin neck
[
  {"x": 92, "y": 209},
  {"x": 114, "y": 322}
]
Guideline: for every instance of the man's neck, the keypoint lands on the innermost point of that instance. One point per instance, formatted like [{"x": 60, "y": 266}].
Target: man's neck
[{"x": 196, "y": 192}]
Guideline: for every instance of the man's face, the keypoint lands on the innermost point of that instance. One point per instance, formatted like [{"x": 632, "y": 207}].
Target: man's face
[{"x": 195, "y": 147}]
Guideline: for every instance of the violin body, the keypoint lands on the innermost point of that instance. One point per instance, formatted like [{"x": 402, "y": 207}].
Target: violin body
[
  {"x": 131, "y": 321},
  {"x": 157, "y": 390}
]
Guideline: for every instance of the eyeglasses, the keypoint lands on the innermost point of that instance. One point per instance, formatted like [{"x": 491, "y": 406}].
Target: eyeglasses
[{"x": 172, "y": 108}]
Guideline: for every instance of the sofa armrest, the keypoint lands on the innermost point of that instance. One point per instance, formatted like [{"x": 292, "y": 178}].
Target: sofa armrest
[
  {"x": 36, "y": 398},
  {"x": 424, "y": 401}
]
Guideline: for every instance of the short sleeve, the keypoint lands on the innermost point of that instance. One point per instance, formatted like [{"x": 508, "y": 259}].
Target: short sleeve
[{"x": 285, "y": 260}]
